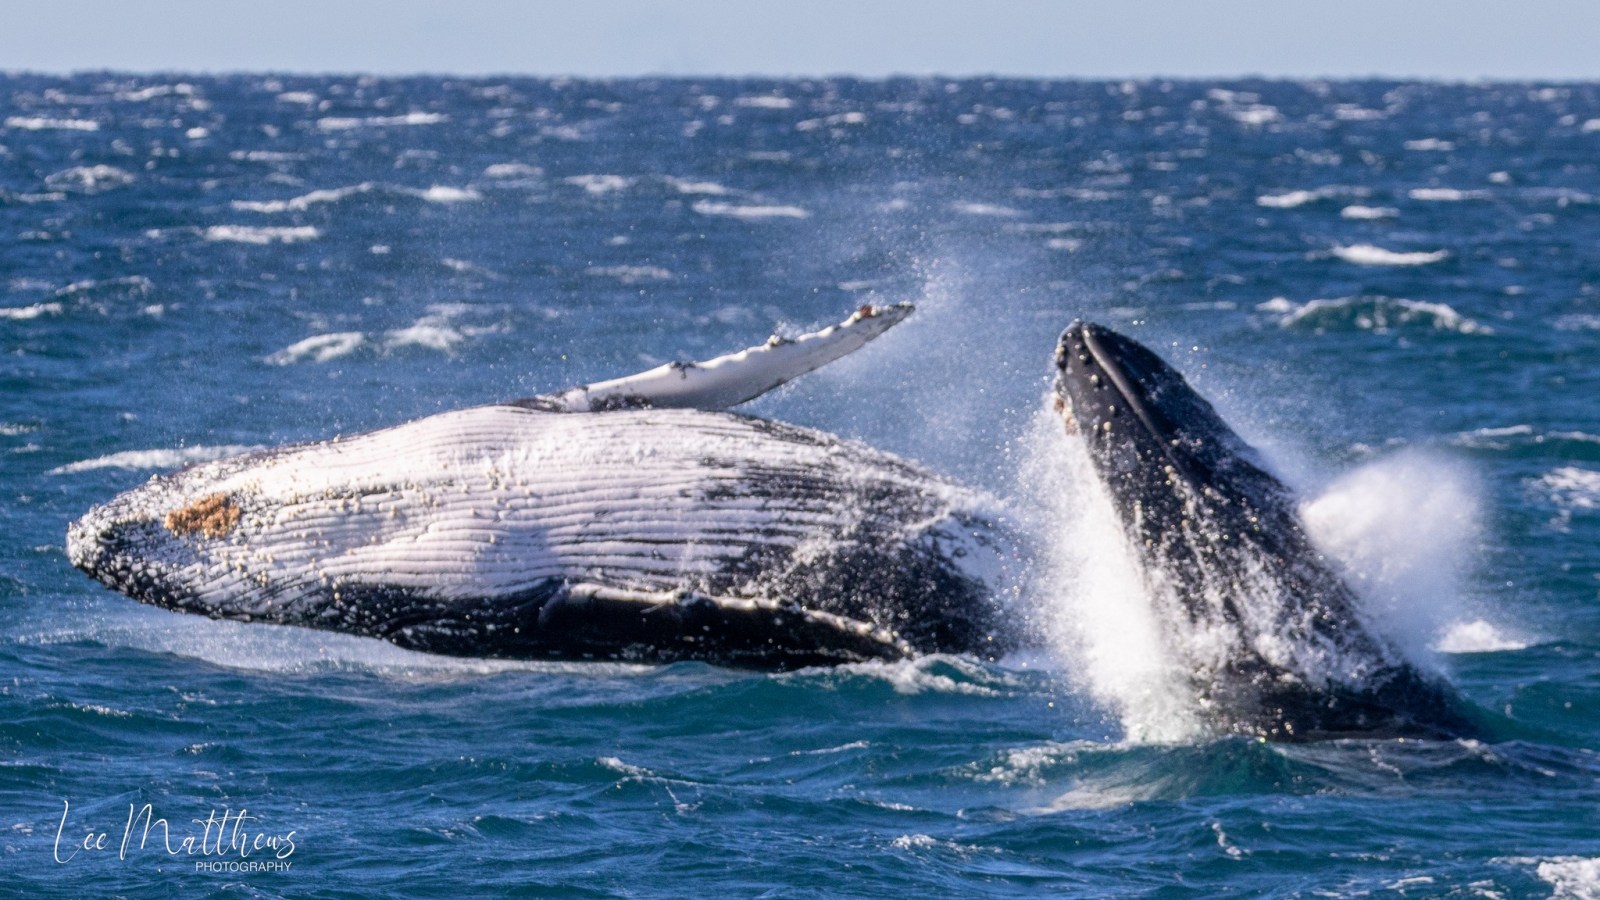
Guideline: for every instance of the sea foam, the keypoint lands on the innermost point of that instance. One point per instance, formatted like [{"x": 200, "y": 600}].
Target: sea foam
[
  {"x": 1371, "y": 255},
  {"x": 1375, "y": 314},
  {"x": 749, "y": 212},
  {"x": 318, "y": 348},
  {"x": 246, "y": 234},
  {"x": 153, "y": 459}
]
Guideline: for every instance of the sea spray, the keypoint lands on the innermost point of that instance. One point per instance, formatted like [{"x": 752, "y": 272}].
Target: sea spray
[
  {"x": 1093, "y": 603},
  {"x": 1405, "y": 528}
]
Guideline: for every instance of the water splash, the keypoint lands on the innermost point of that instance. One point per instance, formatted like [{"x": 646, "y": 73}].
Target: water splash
[
  {"x": 1095, "y": 607},
  {"x": 1405, "y": 528}
]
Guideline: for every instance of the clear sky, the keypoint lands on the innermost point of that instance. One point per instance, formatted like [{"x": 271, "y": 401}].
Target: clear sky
[{"x": 1442, "y": 39}]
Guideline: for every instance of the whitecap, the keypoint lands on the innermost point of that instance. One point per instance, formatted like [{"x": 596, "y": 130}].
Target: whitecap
[
  {"x": 512, "y": 170},
  {"x": 1477, "y": 636},
  {"x": 245, "y": 234},
  {"x": 631, "y": 274},
  {"x": 1435, "y": 145},
  {"x": 318, "y": 348},
  {"x": 264, "y": 156},
  {"x": 304, "y": 98},
  {"x": 686, "y": 186},
  {"x": 1376, "y": 314},
  {"x": 1492, "y": 438},
  {"x": 1372, "y": 255},
  {"x": 137, "y": 284},
  {"x": 16, "y": 313},
  {"x": 304, "y": 201},
  {"x": 849, "y": 118},
  {"x": 1069, "y": 245},
  {"x": 1350, "y": 112},
  {"x": 156, "y": 90},
  {"x": 617, "y": 765},
  {"x": 44, "y": 123},
  {"x": 440, "y": 193},
  {"x": 429, "y": 333},
  {"x": 929, "y": 674},
  {"x": 346, "y": 123},
  {"x": 749, "y": 213},
  {"x": 1590, "y": 125},
  {"x": 763, "y": 101},
  {"x": 1256, "y": 115},
  {"x": 16, "y": 429},
  {"x": 153, "y": 459},
  {"x": 1444, "y": 195},
  {"x": 1578, "y": 322},
  {"x": 1572, "y": 489},
  {"x": 89, "y": 179},
  {"x": 1368, "y": 213},
  {"x": 1571, "y": 877},
  {"x": 995, "y": 210},
  {"x": 600, "y": 184},
  {"x": 1290, "y": 199}
]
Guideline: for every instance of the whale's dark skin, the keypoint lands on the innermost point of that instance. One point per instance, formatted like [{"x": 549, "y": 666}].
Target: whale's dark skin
[{"x": 1223, "y": 549}]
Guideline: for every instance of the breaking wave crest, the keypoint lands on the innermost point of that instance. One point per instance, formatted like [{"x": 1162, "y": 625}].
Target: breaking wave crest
[{"x": 1376, "y": 314}]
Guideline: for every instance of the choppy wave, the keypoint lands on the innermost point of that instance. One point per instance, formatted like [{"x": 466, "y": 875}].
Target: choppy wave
[
  {"x": 1377, "y": 314},
  {"x": 437, "y": 330},
  {"x": 1289, "y": 199},
  {"x": 753, "y": 212},
  {"x": 764, "y": 101},
  {"x": 1570, "y": 445},
  {"x": 512, "y": 170},
  {"x": 440, "y": 193},
  {"x": 319, "y": 348},
  {"x": 1578, "y": 322},
  {"x": 833, "y": 121},
  {"x": 1368, "y": 213},
  {"x": 601, "y": 184},
  {"x": 17, "y": 313},
  {"x": 347, "y": 123},
  {"x": 433, "y": 194},
  {"x": 1571, "y": 877},
  {"x": 691, "y": 186},
  {"x": 1372, "y": 255},
  {"x": 1301, "y": 197},
  {"x": 153, "y": 459},
  {"x": 252, "y": 234},
  {"x": 1445, "y": 195},
  {"x": 89, "y": 179},
  {"x": 631, "y": 274},
  {"x": 1572, "y": 490},
  {"x": 995, "y": 210},
  {"x": 304, "y": 201},
  {"x": 45, "y": 123}
]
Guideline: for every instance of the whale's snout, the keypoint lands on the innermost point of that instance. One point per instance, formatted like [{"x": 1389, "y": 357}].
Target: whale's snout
[{"x": 132, "y": 545}]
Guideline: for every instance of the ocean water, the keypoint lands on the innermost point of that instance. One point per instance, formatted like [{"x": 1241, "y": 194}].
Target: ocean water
[{"x": 1392, "y": 289}]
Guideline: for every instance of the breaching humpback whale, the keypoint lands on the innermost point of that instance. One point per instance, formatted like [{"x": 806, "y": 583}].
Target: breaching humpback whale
[
  {"x": 632, "y": 519},
  {"x": 1282, "y": 650}
]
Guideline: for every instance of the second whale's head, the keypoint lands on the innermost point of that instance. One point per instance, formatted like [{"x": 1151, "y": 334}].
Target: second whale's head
[
  {"x": 1158, "y": 445},
  {"x": 1268, "y": 629}
]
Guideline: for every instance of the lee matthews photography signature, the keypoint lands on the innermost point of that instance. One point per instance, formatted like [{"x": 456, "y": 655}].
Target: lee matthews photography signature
[{"x": 223, "y": 843}]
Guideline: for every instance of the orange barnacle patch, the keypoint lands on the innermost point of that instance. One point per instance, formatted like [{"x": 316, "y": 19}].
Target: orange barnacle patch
[{"x": 213, "y": 515}]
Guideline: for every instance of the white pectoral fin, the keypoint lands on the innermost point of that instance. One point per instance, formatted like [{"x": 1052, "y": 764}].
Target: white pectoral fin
[{"x": 736, "y": 377}]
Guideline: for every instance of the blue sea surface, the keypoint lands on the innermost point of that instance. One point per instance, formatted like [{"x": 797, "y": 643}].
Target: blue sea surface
[{"x": 1392, "y": 288}]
